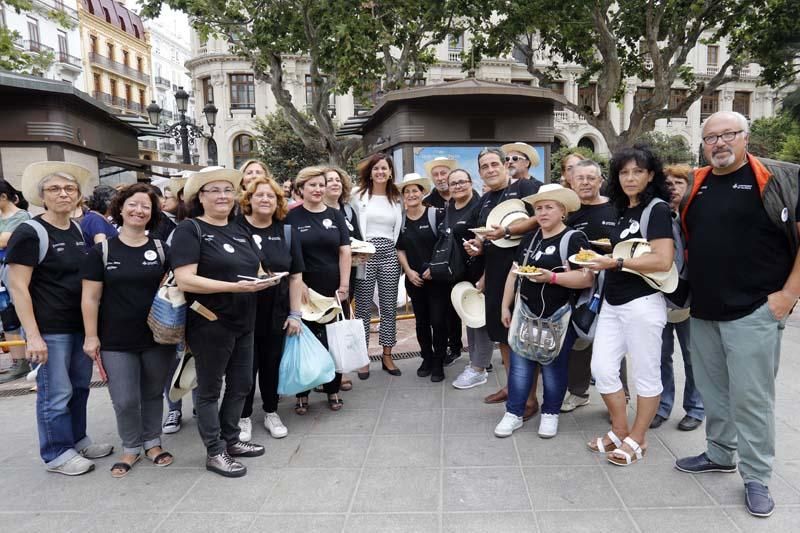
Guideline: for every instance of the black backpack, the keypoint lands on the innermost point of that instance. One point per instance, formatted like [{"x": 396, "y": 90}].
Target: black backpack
[{"x": 447, "y": 262}]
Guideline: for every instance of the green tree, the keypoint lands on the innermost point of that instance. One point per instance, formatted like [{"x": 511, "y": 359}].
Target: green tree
[
  {"x": 564, "y": 151},
  {"x": 350, "y": 44},
  {"x": 281, "y": 149},
  {"x": 616, "y": 41},
  {"x": 670, "y": 149},
  {"x": 15, "y": 59},
  {"x": 776, "y": 137}
]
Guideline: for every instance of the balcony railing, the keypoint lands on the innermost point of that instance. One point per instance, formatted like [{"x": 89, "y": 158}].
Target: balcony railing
[
  {"x": 167, "y": 147},
  {"x": 243, "y": 105},
  {"x": 711, "y": 70},
  {"x": 148, "y": 145},
  {"x": 162, "y": 82},
  {"x": 64, "y": 57},
  {"x": 135, "y": 106},
  {"x": 35, "y": 46},
  {"x": 119, "y": 68},
  {"x": 59, "y": 5},
  {"x": 454, "y": 55},
  {"x": 119, "y": 101},
  {"x": 103, "y": 97}
]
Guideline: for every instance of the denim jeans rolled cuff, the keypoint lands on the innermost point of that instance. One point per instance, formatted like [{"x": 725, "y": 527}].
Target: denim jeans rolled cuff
[
  {"x": 554, "y": 379},
  {"x": 61, "y": 398}
]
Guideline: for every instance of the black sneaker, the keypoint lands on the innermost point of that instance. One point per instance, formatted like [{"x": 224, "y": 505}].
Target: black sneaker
[
  {"x": 173, "y": 422},
  {"x": 757, "y": 499},
  {"x": 490, "y": 368},
  {"x": 451, "y": 358},
  {"x": 424, "y": 369},
  {"x": 700, "y": 464},
  {"x": 245, "y": 449}
]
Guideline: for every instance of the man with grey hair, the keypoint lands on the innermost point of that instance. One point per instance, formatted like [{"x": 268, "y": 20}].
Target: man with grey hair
[{"x": 740, "y": 220}]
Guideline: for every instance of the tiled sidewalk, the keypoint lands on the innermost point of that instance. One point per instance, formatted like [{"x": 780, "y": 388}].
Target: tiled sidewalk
[{"x": 403, "y": 455}]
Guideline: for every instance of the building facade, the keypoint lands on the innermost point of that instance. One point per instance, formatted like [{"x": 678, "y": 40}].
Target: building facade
[
  {"x": 228, "y": 81},
  {"x": 39, "y": 33}
]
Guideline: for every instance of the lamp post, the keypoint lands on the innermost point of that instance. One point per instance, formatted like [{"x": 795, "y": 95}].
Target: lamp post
[{"x": 184, "y": 132}]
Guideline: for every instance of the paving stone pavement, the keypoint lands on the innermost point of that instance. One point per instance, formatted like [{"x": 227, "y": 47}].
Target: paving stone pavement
[{"x": 403, "y": 455}]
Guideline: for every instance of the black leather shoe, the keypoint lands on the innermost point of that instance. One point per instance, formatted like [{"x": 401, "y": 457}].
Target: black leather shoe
[
  {"x": 393, "y": 371},
  {"x": 689, "y": 423},
  {"x": 245, "y": 449},
  {"x": 700, "y": 464},
  {"x": 758, "y": 500},
  {"x": 451, "y": 358},
  {"x": 424, "y": 369},
  {"x": 363, "y": 375},
  {"x": 657, "y": 421},
  {"x": 224, "y": 465}
]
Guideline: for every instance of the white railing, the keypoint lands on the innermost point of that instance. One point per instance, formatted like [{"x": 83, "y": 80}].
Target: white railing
[
  {"x": 712, "y": 70},
  {"x": 454, "y": 55}
]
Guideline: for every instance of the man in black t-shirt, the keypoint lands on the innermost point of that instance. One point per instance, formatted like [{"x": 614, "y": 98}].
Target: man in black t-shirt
[
  {"x": 740, "y": 221},
  {"x": 439, "y": 169},
  {"x": 596, "y": 218}
]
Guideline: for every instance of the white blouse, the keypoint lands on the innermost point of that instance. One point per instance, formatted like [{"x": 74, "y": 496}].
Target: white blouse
[{"x": 380, "y": 218}]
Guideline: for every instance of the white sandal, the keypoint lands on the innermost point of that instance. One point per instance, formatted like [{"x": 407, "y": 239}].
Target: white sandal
[
  {"x": 620, "y": 457},
  {"x": 599, "y": 447}
]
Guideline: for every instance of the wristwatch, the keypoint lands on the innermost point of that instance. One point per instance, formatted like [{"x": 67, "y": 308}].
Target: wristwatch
[
  {"x": 507, "y": 233},
  {"x": 619, "y": 264}
]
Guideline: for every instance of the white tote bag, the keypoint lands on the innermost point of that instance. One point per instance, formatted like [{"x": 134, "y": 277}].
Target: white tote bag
[{"x": 347, "y": 344}]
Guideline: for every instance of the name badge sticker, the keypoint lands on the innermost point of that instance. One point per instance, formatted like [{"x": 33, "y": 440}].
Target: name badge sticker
[
  {"x": 150, "y": 255},
  {"x": 785, "y": 214},
  {"x": 228, "y": 248},
  {"x": 549, "y": 250}
]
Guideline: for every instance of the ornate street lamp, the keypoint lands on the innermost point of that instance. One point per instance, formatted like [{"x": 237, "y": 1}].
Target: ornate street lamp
[{"x": 185, "y": 132}]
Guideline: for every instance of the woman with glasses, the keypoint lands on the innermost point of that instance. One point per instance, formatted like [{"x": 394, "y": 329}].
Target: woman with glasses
[
  {"x": 215, "y": 261},
  {"x": 120, "y": 279}
]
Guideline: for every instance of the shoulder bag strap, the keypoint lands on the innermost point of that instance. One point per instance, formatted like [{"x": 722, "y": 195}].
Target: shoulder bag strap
[
  {"x": 432, "y": 220},
  {"x": 159, "y": 249},
  {"x": 41, "y": 234},
  {"x": 104, "y": 248},
  {"x": 287, "y": 236},
  {"x": 645, "y": 221},
  {"x": 563, "y": 247}
]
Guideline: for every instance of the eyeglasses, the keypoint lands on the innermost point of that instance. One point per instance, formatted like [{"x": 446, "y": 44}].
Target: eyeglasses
[
  {"x": 728, "y": 136},
  {"x": 57, "y": 189},
  {"x": 516, "y": 158},
  {"x": 219, "y": 192},
  {"x": 459, "y": 183}
]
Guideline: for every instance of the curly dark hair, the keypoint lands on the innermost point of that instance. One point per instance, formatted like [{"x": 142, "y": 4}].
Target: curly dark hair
[
  {"x": 122, "y": 196},
  {"x": 365, "y": 177},
  {"x": 643, "y": 155},
  {"x": 101, "y": 198}
]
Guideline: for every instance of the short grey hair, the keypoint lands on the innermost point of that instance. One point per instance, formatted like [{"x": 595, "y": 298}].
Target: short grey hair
[
  {"x": 741, "y": 119},
  {"x": 63, "y": 175},
  {"x": 496, "y": 151},
  {"x": 590, "y": 163}
]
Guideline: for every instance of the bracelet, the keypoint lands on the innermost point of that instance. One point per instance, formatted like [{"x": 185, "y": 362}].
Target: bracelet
[
  {"x": 553, "y": 278},
  {"x": 295, "y": 318},
  {"x": 619, "y": 264},
  {"x": 296, "y": 314}
]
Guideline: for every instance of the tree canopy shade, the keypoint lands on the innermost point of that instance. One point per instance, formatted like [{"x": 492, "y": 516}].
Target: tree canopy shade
[
  {"x": 351, "y": 45},
  {"x": 650, "y": 40},
  {"x": 15, "y": 59}
]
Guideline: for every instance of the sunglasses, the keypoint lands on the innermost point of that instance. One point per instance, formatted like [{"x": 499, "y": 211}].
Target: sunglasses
[{"x": 516, "y": 158}]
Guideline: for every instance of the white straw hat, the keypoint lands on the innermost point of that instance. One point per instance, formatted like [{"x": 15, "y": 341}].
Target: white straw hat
[
  {"x": 209, "y": 174},
  {"x": 36, "y": 172},
  {"x": 470, "y": 304}
]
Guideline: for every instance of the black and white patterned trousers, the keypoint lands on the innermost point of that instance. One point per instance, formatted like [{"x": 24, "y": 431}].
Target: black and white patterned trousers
[{"x": 384, "y": 268}]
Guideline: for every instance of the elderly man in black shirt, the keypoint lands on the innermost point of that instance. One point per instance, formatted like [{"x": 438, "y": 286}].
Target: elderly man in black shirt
[{"x": 741, "y": 224}]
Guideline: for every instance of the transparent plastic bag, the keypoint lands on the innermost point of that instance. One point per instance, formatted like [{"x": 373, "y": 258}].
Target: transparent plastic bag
[{"x": 305, "y": 363}]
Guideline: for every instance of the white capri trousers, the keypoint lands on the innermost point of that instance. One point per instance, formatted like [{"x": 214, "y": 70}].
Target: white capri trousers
[{"x": 634, "y": 329}]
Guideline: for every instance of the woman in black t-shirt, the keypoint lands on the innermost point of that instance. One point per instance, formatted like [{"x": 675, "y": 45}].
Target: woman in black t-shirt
[
  {"x": 633, "y": 313},
  {"x": 430, "y": 298},
  {"x": 120, "y": 278},
  {"x": 551, "y": 288},
  {"x": 215, "y": 259},
  {"x": 326, "y": 254},
  {"x": 278, "y": 308}
]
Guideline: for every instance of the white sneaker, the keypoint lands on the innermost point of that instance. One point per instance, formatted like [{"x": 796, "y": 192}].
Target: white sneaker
[
  {"x": 274, "y": 424},
  {"x": 572, "y": 402},
  {"x": 508, "y": 425},
  {"x": 548, "y": 426},
  {"x": 245, "y": 429},
  {"x": 470, "y": 378},
  {"x": 74, "y": 467}
]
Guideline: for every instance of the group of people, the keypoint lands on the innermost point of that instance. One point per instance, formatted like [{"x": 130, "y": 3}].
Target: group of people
[{"x": 223, "y": 234}]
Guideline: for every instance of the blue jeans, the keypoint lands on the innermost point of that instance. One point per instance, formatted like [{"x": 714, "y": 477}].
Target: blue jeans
[
  {"x": 692, "y": 401},
  {"x": 63, "y": 390},
  {"x": 554, "y": 379}
]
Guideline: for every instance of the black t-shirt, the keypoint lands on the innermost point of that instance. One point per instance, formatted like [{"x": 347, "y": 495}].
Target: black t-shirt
[
  {"x": 417, "y": 240},
  {"x": 55, "y": 286},
  {"x": 130, "y": 281},
  {"x": 458, "y": 220},
  {"x": 737, "y": 256},
  {"x": 517, "y": 190},
  {"x": 623, "y": 287},
  {"x": 434, "y": 199},
  {"x": 545, "y": 253},
  {"x": 226, "y": 253},
  {"x": 321, "y": 235},
  {"x": 596, "y": 221},
  {"x": 163, "y": 229}
]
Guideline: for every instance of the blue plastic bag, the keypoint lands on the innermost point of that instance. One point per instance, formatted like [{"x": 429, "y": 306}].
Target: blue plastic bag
[{"x": 305, "y": 363}]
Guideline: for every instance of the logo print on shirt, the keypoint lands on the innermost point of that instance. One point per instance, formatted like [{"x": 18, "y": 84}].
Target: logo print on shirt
[
  {"x": 742, "y": 186},
  {"x": 257, "y": 239},
  {"x": 327, "y": 223},
  {"x": 228, "y": 248},
  {"x": 150, "y": 255}
]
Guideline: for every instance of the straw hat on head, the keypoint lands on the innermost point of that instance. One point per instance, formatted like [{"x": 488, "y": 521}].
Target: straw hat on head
[
  {"x": 415, "y": 179},
  {"x": 665, "y": 282},
  {"x": 452, "y": 164},
  {"x": 34, "y": 173},
  {"x": 320, "y": 309},
  {"x": 502, "y": 215},
  {"x": 525, "y": 149},
  {"x": 178, "y": 181},
  {"x": 469, "y": 303},
  {"x": 197, "y": 180},
  {"x": 553, "y": 191}
]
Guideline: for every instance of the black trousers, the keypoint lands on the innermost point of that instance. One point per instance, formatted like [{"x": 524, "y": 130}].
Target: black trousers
[
  {"x": 220, "y": 353},
  {"x": 454, "y": 343},
  {"x": 267, "y": 352},
  {"x": 430, "y": 303},
  {"x": 325, "y": 284}
]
